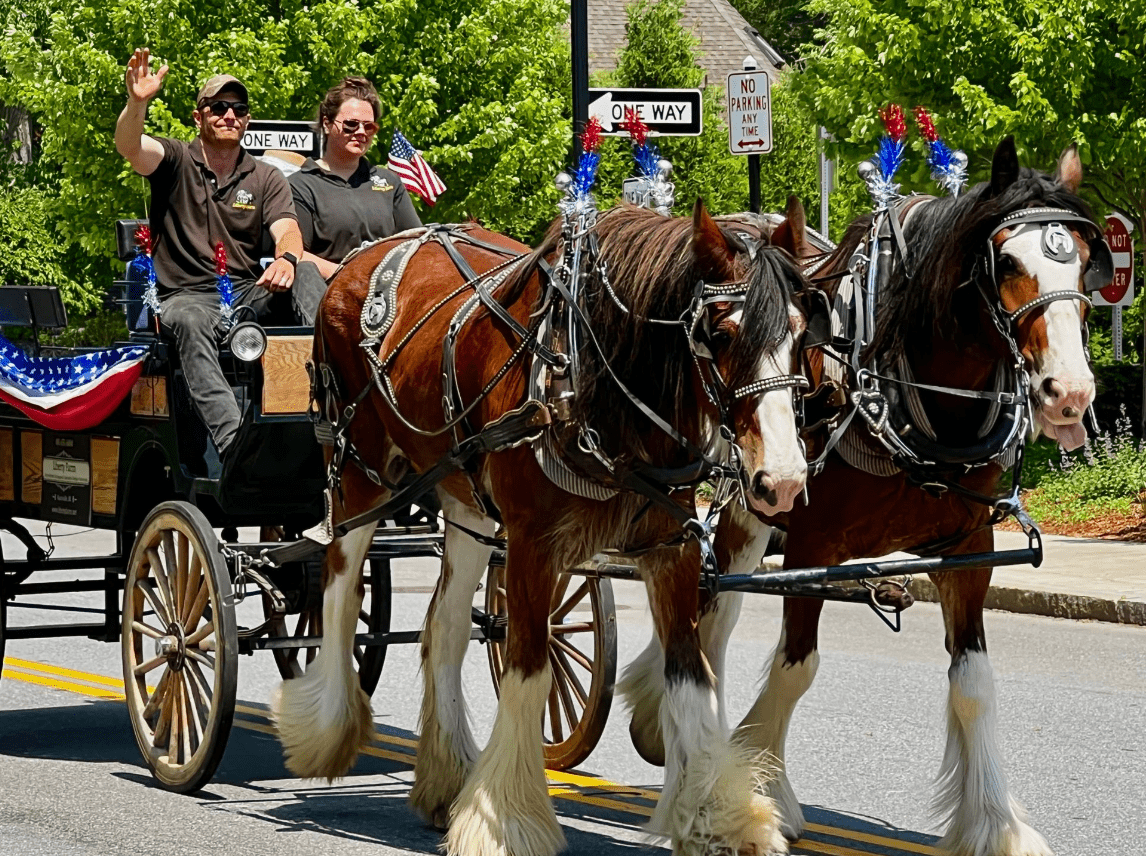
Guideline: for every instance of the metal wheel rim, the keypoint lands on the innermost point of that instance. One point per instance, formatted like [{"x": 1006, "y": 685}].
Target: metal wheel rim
[
  {"x": 180, "y": 651},
  {"x": 569, "y": 739}
]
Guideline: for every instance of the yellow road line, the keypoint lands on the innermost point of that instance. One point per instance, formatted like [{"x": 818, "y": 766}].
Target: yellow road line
[{"x": 56, "y": 677}]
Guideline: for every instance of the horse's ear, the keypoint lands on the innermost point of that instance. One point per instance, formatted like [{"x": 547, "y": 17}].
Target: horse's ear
[
  {"x": 709, "y": 246},
  {"x": 1070, "y": 169},
  {"x": 1004, "y": 166},
  {"x": 790, "y": 235}
]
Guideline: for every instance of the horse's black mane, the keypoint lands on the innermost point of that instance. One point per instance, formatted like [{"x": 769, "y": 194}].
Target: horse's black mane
[
  {"x": 653, "y": 271},
  {"x": 945, "y": 238}
]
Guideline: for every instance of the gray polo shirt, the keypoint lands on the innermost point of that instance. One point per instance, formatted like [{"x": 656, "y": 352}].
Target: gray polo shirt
[
  {"x": 192, "y": 209},
  {"x": 336, "y": 215}
]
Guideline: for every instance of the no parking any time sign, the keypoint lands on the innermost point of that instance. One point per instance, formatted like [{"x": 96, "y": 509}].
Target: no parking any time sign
[{"x": 749, "y": 113}]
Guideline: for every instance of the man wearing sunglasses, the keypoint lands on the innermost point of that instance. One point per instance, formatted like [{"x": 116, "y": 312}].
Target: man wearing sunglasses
[{"x": 204, "y": 193}]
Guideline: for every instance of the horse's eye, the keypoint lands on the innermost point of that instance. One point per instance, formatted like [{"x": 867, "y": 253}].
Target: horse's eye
[
  {"x": 721, "y": 337},
  {"x": 1005, "y": 267}
]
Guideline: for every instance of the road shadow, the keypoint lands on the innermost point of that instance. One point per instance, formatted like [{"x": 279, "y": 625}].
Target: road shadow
[{"x": 862, "y": 824}]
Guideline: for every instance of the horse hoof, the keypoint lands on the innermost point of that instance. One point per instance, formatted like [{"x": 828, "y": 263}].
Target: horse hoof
[{"x": 441, "y": 819}]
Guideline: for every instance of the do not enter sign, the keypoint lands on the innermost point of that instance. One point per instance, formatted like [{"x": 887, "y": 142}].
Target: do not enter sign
[{"x": 1120, "y": 292}]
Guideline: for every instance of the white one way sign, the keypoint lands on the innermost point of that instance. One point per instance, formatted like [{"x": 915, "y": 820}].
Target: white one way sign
[
  {"x": 672, "y": 112},
  {"x": 749, "y": 113}
]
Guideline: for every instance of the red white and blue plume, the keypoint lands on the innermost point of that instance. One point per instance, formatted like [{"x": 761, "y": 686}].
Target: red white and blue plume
[
  {"x": 144, "y": 267},
  {"x": 223, "y": 283},
  {"x": 577, "y": 188},
  {"x": 646, "y": 154},
  {"x": 948, "y": 166},
  {"x": 879, "y": 173}
]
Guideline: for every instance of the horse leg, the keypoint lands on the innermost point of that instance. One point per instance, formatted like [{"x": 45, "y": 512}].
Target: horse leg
[
  {"x": 504, "y": 808},
  {"x": 741, "y": 540},
  {"x": 982, "y": 817},
  {"x": 324, "y": 717},
  {"x": 446, "y": 747},
  {"x": 712, "y": 801},
  {"x": 765, "y": 726}
]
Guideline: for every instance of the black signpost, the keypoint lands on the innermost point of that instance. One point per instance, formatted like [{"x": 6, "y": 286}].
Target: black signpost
[{"x": 579, "y": 36}]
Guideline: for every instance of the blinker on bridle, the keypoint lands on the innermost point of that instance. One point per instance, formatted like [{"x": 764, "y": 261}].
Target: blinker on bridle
[{"x": 1058, "y": 244}]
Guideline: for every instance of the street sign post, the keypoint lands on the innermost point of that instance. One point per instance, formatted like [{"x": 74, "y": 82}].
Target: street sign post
[
  {"x": 667, "y": 112},
  {"x": 264, "y": 134},
  {"x": 749, "y": 113},
  {"x": 1120, "y": 292}
]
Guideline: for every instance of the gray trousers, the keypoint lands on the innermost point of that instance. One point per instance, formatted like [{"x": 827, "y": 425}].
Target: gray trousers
[
  {"x": 307, "y": 292},
  {"x": 194, "y": 320}
]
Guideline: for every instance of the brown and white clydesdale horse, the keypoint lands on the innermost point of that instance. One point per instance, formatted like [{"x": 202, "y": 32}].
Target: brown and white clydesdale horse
[
  {"x": 998, "y": 242},
  {"x": 495, "y": 801}
]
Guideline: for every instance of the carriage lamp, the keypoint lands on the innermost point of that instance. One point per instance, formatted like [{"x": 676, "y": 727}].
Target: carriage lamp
[{"x": 247, "y": 341}]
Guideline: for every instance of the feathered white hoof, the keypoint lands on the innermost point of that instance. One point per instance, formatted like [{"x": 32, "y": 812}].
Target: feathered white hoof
[
  {"x": 717, "y": 808},
  {"x": 641, "y": 689},
  {"x": 485, "y": 823},
  {"x": 1016, "y": 838},
  {"x": 792, "y": 822},
  {"x": 321, "y": 732},
  {"x": 439, "y": 776}
]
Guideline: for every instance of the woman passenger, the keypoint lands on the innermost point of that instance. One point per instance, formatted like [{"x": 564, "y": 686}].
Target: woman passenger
[{"x": 343, "y": 200}]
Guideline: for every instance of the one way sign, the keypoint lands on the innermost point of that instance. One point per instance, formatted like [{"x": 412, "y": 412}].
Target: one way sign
[{"x": 670, "y": 112}]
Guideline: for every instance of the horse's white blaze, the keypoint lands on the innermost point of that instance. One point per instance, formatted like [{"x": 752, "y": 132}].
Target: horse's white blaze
[
  {"x": 504, "y": 808},
  {"x": 983, "y": 819},
  {"x": 324, "y": 717},
  {"x": 713, "y": 800},
  {"x": 1061, "y": 382},
  {"x": 446, "y": 747},
  {"x": 782, "y": 465},
  {"x": 765, "y": 726}
]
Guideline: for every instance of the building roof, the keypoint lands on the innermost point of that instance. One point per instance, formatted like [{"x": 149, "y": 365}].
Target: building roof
[{"x": 725, "y": 38}]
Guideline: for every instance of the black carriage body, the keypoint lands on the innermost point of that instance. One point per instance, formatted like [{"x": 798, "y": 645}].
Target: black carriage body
[{"x": 155, "y": 448}]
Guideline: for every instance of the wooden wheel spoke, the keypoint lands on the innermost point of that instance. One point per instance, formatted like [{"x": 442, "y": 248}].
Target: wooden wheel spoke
[
  {"x": 160, "y": 574},
  {"x": 555, "y": 715},
  {"x": 200, "y": 634},
  {"x": 150, "y": 666},
  {"x": 571, "y": 714},
  {"x": 571, "y": 678},
  {"x": 182, "y": 566},
  {"x": 146, "y": 630},
  {"x": 148, "y": 589},
  {"x": 204, "y": 687},
  {"x": 195, "y": 582},
  {"x": 200, "y": 657},
  {"x": 198, "y": 709},
  {"x": 198, "y": 607},
  {"x": 570, "y": 602},
  {"x": 157, "y": 697},
  {"x": 576, "y": 627},
  {"x": 176, "y": 721},
  {"x": 163, "y": 726},
  {"x": 579, "y": 657}
]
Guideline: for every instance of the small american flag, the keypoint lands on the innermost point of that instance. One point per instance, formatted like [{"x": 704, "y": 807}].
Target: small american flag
[{"x": 413, "y": 170}]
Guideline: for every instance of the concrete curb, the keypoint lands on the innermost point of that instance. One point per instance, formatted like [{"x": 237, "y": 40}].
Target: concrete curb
[{"x": 1053, "y": 604}]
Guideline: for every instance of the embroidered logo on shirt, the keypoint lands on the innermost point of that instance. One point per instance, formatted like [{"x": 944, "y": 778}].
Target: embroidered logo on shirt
[
  {"x": 244, "y": 199},
  {"x": 380, "y": 183}
]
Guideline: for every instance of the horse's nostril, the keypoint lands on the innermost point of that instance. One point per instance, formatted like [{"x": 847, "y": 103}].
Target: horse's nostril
[
  {"x": 1070, "y": 412},
  {"x": 1053, "y": 389},
  {"x": 763, "y": 489}
]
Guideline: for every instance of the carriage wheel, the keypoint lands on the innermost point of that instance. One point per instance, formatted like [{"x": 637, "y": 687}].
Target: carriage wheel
[
  {"x": 582, "y": 659},
  {"x": 373, "y": 617},
  {"x": 180, "y": 646}
]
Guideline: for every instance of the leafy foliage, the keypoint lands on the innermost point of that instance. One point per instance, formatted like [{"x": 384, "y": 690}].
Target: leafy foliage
[
  {"x": 787, "y": 25},
  {"x": 1107, "y": 474},
  {"x": 661, "y": 53}
]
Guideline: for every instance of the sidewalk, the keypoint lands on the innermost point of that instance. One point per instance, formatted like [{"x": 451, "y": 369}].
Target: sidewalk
[{"x": 1080, "y": 578}]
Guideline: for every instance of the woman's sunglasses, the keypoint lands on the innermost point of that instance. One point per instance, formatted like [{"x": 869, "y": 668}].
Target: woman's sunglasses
[
  {"x": 351, "y": 126},
  {"x": 220, "y": 108}
]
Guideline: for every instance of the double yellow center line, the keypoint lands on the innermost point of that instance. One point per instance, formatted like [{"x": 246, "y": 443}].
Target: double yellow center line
[{"x": 587, "y": 790}]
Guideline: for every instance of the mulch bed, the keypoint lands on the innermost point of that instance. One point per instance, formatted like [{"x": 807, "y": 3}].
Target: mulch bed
[{"x": 1111, "y": 526}]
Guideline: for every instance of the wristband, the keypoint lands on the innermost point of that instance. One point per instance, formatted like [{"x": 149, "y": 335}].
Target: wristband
[{"x": 290, "y": 257}]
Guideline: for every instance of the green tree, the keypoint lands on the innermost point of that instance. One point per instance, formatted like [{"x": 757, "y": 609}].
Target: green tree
[
  {"x": 479, "y": 85},
  {"x": 787, "y": 25},
  {"x": 660, "y": 52},
  {"x": 1049, "y": 73}
]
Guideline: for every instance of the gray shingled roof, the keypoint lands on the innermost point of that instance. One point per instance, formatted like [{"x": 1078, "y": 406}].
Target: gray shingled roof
[{"x": 723, "y": 33}]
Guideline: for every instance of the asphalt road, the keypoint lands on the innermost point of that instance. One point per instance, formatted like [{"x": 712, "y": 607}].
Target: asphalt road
[{"x": 864, "y": 746}]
